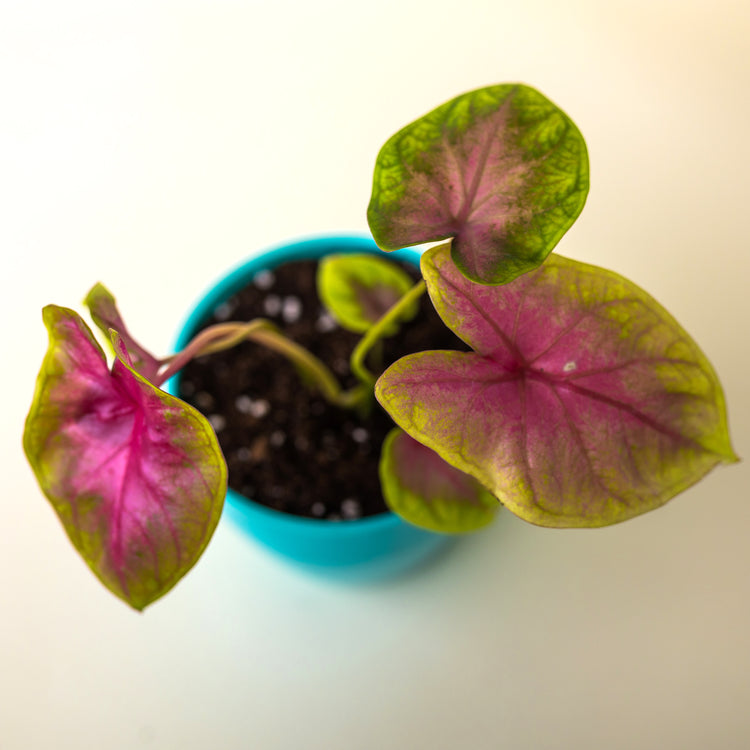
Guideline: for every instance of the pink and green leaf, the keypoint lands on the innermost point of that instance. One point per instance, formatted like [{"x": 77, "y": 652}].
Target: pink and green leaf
[
  {"x": 584, "y": 403},
  {"x": 424, "y": 490},
  {"x": 135, "y": 475},
  {"x": 501, "y": 170},
  {"x": 105, "y": 314},
  {"x": 358, "y": 289}
]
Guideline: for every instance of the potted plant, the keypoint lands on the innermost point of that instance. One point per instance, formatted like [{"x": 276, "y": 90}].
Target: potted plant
[
  {"x": 269, "y": 427},
  {"x": 580, "y": 401}
]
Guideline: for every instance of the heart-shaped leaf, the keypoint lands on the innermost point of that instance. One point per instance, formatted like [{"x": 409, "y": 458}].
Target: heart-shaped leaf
[
  {"x": 105, "y": 314},
  {"x": 584, "y": 402},
  {"x": 358, "y": 289},
  {"x": 135, "y": 475},
  {"x": 501, "y": 170},
  {"x": 426, "y": 491}
]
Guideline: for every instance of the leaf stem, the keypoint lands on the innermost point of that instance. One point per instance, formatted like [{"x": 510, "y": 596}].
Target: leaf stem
[
  {"x": 375, "y": 334},
  {"x": 224, "y": 336}
]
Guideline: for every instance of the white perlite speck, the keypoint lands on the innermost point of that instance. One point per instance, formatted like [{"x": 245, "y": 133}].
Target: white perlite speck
[
  {"x": 217, "y": 422},
  {"x": 360, "y": 434},
  {"x": 223, "y": 311},
  {"x": 260, "y": 408},
  {"x": 272, "y": 304},
  {"x": 291, "y": 309},
  {"x": 350, "y": 508},
  {"x": 325, "y": 323},
  {"x": 264, "y": 279},
  {"x": 245, "y": 405}
]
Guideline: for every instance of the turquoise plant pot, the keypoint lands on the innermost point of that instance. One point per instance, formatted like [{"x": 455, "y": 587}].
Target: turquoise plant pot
[{"x": 367, "y": 548}]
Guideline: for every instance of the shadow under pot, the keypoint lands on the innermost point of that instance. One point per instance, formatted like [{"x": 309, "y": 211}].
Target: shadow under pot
[{"x": 303, "y": 474}]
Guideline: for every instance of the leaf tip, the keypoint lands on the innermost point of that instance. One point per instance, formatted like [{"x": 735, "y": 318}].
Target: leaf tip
[
  {"x": 52, "y": 313},
  {"x": 731, "y": 457},
  {"x": 101, "y": 303}
]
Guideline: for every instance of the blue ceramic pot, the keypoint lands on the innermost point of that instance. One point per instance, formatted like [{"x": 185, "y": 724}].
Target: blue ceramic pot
[{"x": 371, "y": 547}]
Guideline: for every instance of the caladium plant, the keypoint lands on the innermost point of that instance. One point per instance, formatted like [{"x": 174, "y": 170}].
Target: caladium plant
[{"x": 581, "y": 403}]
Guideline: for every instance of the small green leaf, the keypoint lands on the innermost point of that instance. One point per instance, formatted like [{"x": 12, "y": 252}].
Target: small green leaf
[
  {"x": 424, "y": 490},
  {"x": 359, "y": 289},
  {"x": 501, "y": 170}
]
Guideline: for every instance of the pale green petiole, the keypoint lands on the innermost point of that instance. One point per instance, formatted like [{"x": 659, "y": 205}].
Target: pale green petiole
[
  {"x": 375, "y": 334},
  {"x": 226, "y": 335}
]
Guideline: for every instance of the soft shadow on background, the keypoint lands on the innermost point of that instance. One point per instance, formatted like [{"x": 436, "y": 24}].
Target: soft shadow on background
[{"x": 152, "y": 146}]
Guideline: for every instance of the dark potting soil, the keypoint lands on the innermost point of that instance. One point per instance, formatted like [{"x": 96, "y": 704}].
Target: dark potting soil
[{"x": 285, "y": 446}]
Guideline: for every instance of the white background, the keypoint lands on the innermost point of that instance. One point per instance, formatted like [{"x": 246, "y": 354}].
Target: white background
[{"x": 152, "y": 146}]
